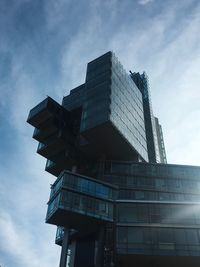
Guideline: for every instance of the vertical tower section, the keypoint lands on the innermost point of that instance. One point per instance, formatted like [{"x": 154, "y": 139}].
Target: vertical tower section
[
  {"x": 160, "y": 142},
  {"x": 141, "y": 80},
  {"x": 97, "y": 102},
  {"x": 127, "y": 112}
]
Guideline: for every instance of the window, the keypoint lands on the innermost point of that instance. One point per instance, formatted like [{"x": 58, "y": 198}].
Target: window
[
  {"x": 147, "y": 236},
  {"x": 65, "y": 197},
  {"x": 139, "y": 195},
  {"x": 135, "y": 235},
  {"x": 166, "y": 236},
  {"x": 103, "y": 208},
  {"x": 122, "y": 234},
  {"x": 142, "y": 213},
  {"x": 180, "y": 238},
  {"x": 121, "y": 168},
  {"x": 53, "y": 205},
  {"x": 76, "y": 201},
  {"x": 192, "y": 237},
  {"x": 155, "y": 214},
  {"x": 160, "y": 183},
  {"x": 102, "y": 191},
  {"x": 91, "y": 187},
  {"x": 127, "y": 213},
  {"x": 164, "y": 196},
  {"x": 84, "y": 185}
]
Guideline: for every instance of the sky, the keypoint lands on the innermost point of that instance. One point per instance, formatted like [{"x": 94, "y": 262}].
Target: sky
[{"x": 44, "y": 49}]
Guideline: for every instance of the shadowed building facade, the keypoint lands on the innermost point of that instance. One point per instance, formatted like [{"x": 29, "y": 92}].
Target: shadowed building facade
[{"x": 115, "y": 200}]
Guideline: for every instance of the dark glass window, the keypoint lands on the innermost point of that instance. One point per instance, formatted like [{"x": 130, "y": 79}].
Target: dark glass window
[
  {"x": 121, "y": 168},
  {"x": 180, "y": 237},
  {"x": 122, "y": 234},
  {"x": 154, "y": 214},
  {"x": 102, "y": 191},
  {"x": 160, "y": 183},
  {"x": 130, "y": 210},
  {"x": 139, "y": 195},
  {"x": 147, "y": 233},
  {"x": 165, "y": 235},
  {"x": 165, "y": 213},
  {"x": 142, "y": 213},
  {"x": 192, "y": 237},
  {"x": 164, "y": 196},
  {"x": 135, "y": 235}
]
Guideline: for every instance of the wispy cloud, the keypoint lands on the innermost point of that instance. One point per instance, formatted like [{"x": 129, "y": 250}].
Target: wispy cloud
[
  {"x": 48, "y": 56},
  {"x": 19, "y": 248},
  {"x": 144, "y": 2}
]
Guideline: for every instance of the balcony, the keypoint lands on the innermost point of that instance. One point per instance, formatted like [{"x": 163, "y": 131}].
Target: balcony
[
  {"x": 60, "y": 235},
  {"x": 43, "y": 111},
  {"x": 80, "y": 202},
  {"x": 47, "y": 129},
  {"x": 55, "y": 168},
  {"x": 50, "y": 167},
  {"x": 61, "y": 161},
  {"x": 51, "y": 146}
]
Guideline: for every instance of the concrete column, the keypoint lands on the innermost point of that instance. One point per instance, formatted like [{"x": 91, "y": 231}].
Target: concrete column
[
  {"x": 64, "y": 250},
  {"x": 100, "y": 248}
]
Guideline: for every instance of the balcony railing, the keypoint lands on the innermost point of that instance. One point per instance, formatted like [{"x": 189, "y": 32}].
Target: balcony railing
[
  {"x": 69, "y": 202},
  {"x": 84, "y": 185}
]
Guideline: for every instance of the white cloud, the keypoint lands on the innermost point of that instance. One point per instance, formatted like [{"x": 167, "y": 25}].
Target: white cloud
[
  {"x": 17, "y": 243},
  {"x": 144, "y": 2},
  {"x": 54, "y": 13},
  {"x": 25, "y": 238},
  {"x": 167, "y": 50}
]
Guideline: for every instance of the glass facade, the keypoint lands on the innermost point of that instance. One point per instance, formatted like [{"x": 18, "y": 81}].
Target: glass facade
[
  {"x": 142, "y": 83},
  {"x": 109, "y": 95},
  {"x": 96, "y": 107},
  {"x": 150, "y": 213},
  {"x": 157, "y": 208},
  {"x": 158, "y": 241},
  {"x": 177, "y": 185},
  {"x": 127, "y": 108},
  {"x": 152, "y": 170},
  {"x": 75, "y": 99}
]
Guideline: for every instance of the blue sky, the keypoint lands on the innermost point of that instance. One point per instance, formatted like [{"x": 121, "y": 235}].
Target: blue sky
[{"x": 44, "y": 49}]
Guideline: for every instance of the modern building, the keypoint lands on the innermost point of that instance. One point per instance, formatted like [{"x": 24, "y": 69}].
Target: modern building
[{"x": 115, "y": 201}]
